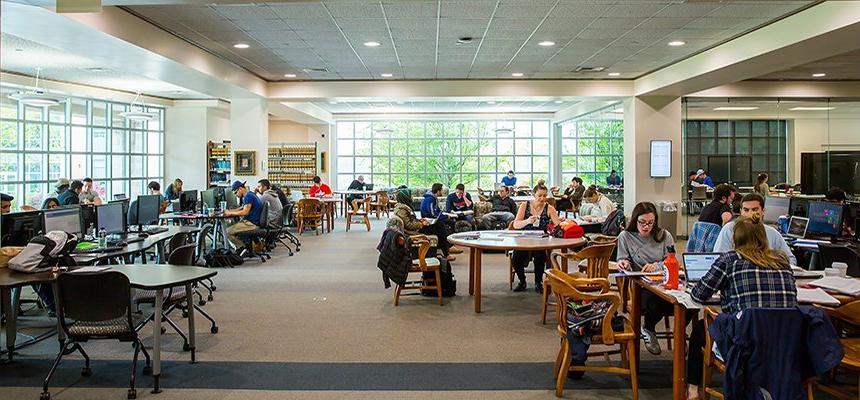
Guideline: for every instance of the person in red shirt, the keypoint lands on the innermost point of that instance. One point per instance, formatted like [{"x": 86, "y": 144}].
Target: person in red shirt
[{"x": 319, "y": 189}]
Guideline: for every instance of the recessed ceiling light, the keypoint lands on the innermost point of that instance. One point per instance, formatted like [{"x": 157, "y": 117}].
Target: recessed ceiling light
[
  {"x": 614, "y": 74},
  {"x": 491, "y": 102},
  {"x": 386, "y": 75},
  {"x": 401, "y": 102},
  {"x": 735, "y": 108},
  {"x": 96, "y": 69},
  {"x": 676, "y": 43},
  {"x": 332, "y": 102},
  {"x": 517, "y": 74},
  {"x": 241, "y": 45},
  {"x": 464, "y": 40},
  {"x": 811, "y": 108},
  {"x": 559, "y": 101},
  {"x": 290, "y": 75},
  {"x": 371, "y": 44},
  {"x": 818, "y": 75},
  {"x": 546, "y": 43}
]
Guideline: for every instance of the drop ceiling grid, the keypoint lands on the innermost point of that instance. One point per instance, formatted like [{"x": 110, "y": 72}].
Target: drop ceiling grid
[{"x": 624, "y": 36}]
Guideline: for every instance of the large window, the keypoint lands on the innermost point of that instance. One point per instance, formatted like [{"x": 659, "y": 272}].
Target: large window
[
  {"x": 736, "y": 150},
  {"x": 420, "y": 153},
  {"x": 592, "y": 146},
  {"x": 76, "y": 139}
]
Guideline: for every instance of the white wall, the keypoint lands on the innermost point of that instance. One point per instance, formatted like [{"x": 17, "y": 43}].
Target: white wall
[
  {"x": 185, "y": 138},
  {"x": 281, "y": 131},
  {"x": 218, "y": 124}
]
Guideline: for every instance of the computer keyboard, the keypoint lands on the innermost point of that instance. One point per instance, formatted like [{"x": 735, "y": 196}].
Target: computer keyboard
[
  {"x": 134, "y": 239},
  {"x": 93, "y": 250},
  {"x": 155, "y": 230}
]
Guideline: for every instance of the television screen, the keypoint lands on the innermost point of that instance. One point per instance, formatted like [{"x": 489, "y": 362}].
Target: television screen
[{"x": 821, "y": 171}]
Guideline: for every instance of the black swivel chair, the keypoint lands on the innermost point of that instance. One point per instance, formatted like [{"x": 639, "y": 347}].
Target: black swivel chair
[
  {"x": 95, "y": 306},
  {"x": 184, "y": 256},
  {"x": 839, "y": 253},
  {"x": 204, "y": 233}
]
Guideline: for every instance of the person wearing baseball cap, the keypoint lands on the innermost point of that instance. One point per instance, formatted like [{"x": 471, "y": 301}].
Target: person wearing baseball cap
[
  {"x": 251, "y": 211},
  {"x": 703, "y": 176},
  {"x": 71, "y": 196},
  {"x": 60, "y": 186}
]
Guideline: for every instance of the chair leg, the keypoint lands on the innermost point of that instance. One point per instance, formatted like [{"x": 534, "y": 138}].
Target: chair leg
[
  {"x": 546, "y": 289},
  {"x": 147, "y": 369},
  {"x": 45, "y": 394},
  {"x": 634, "y": 376},
  {"x": 214, "y": 327},
  {"x": 132, "y": 393},
  {"x": 367, "y": 221},
  {"x": 438, "y": 286},
  {"x": 556, "y": 369},
  {"x": 178, "y": 330},
  {"x": 397, "y": 296},
  {"x": 301, "y": 226},
  {"x": 668, "y": 333},
  {"x": 562, "y": 372},
  {"x": 86, "y": 371}
]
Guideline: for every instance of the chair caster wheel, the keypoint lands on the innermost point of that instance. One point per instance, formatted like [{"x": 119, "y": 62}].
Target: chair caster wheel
[
  {"x": 45, "y": 396},
  {"x": 147, "y": 370},
  {"x": 163, "y": 330},
  {"x": 201, "y": 303},
  {"x": 186, "y": 347},
  {"x": 214, "y": 329},
  {"x": 210, "y": 298},
  {"x": 184, "y": 314},
  {"x": 86, "y": 371},
  {"x": 132, "y": 394},
  {"x": 214, "y": 288}
]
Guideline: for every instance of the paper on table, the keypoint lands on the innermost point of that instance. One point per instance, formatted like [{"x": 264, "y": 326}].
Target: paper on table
[
  {"x": 90, "y": 269},
  {"x": 685, "y": 299},
  {"x": 816, "y": 296},
  {"x": 839, "y": 284},
  {"x": 640, "y": 273},
  {"x": 802, "y": 273}
]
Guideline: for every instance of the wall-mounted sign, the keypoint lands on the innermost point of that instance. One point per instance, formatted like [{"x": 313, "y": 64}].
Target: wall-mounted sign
[{"x": 661, "y": 158}]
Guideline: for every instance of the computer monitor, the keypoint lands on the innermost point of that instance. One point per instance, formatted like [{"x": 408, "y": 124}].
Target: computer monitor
[
  {"x": 697, "y": 265},
  {"x": 88, "y": 216},
  {"x": 16, "y": 229},
  {"x": 825, "y": 218},
  {"x": 110, "y": 217},
  {"x": 797, "y": 227},
  {"x": 368, "y": 186},
  {"x": 852, "y": 215},
  {"x": 147, "y": 209},
  {"x": 120, "y": 196},
  {"x": 66, "y": 219},
  {"x": 231, "y": 199},
  {"x": 798, "y": 206},
  {"x": 208, "y": 198},
  {"x": 188, "y": 200},
  {"x": 775, "y": 207}
]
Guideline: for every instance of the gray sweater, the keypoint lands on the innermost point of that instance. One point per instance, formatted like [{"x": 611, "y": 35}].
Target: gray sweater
[{"x": 643, "y": 250}]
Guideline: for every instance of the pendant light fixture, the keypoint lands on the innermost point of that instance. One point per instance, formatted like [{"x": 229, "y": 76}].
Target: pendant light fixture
[
  {"x": 504, "y": 131},
  {"x": 138, "y": 115},
  {"x": 37, "y": 97}
]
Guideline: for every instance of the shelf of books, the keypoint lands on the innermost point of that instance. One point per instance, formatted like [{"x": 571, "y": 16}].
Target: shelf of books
[
  {"x": 219, "y": 162},
  {"x": 293, "y": 165}
]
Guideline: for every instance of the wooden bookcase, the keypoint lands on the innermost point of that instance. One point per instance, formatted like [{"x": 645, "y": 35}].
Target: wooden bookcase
[
  {"x": 219, "y": 163},
  {"x": 292, "y": 165}
]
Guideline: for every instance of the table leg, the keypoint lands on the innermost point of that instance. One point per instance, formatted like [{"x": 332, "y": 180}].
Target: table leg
[
  {"x": 477, "y": 280},
  {"x": 189, "y": 301},
  {"x": 472, "y": 270},
  {"x": 636, "y": 316},
  {"x": 679, "y": 362},
  {"x": 156, "y": 340},
  {"x": 11, "y": 321},
  {"x": 224, "y": 240}
]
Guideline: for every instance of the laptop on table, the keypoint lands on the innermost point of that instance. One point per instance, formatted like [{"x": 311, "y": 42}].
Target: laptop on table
[
  {"x": 797, "y": 227},
  {"x": 698, "y": 264}
]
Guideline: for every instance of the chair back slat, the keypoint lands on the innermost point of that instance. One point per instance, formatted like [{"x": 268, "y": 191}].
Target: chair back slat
[
  {"x": 566, "y": 287},
  {"x": 308, "y": 208},
  {"x": 93, "y": 296}
]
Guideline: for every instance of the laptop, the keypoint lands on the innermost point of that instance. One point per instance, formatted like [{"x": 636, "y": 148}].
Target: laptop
[
  {"x": 698, "y": 264},
  {"x": 797, "y": 227}
]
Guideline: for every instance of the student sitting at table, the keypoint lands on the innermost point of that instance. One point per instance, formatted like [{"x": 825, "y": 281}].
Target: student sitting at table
[
  {"x": 571, "y": 197},
  {"x": 503, "y": 211},
  {"x": 533, "y": 215},
  {"x": 50, "y": 203},
  {"x": 319, "y": 189},
  {"x": 642, "y": 246},
  {"x": 753, "y": 275},
  {"x": 509, "y": 179},
  {"x": 459, "y": 202},
  {"x": 719, "y": 210},
  {"x": 251, "y": 209},
  {"x": 430, "y": 203},
  {"x": 753, "y": 203},
  {"x": 173, "y": 190},
  {"x": 596, "y": 206},
  {"x": 357, "y": 184},
  {"x": 70, "y": 196},
  {"x": 411, "y": 224}
]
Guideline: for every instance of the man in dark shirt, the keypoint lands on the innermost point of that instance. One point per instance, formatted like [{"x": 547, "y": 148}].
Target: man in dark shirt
[
  {"x": 719, "y": 211},
  {"x": 504, "y": 209},
  {"x": 460, "y": 202},
  {"x": 71, "y": 196},
  {"x": 357, "y": 184}
]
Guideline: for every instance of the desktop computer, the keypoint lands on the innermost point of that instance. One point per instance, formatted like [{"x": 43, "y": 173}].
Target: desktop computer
[
  {"x": 231, "y": 199},
  {"x": 208, "y": 198},
  {"x": 775, "y": 207},
  {"x": 825, "y": 218},
  {"x": 66, "y": 219},
  {"x": 798, "y": 206},
  {"x": 88, "y": 217},
  {"x": 145, "y": 212},
  {"x": 110, "y": 216},
  {"x": 188, "y": 200},
  {"x": 120, "y": 196},
  {"x": 16, "y": 229}
]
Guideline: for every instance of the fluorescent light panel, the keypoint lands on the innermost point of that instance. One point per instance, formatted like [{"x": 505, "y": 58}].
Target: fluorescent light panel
[
  {"x": 735, "y": 108},
  {"x": 811, "y": 108}
]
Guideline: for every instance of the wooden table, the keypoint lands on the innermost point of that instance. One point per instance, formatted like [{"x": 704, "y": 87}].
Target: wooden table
[
  {"x": 330, "y": 210},
  {"x": 504, "y": 240}
]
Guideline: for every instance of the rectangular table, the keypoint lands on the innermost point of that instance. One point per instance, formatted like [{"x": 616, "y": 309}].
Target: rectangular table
[{"x": 156, "y": 277}]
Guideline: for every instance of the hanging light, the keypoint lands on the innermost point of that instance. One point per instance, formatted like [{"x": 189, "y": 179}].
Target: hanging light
[
  {"x": 504, "y": 131},
  {"x": 37, "y": 97},
  {"x": 140, "y": 115}
]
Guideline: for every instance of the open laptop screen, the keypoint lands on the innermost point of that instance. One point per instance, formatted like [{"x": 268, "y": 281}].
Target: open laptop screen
[{"x": 698, "y": 264}]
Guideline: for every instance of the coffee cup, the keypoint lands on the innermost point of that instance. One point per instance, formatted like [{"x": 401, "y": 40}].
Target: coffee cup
[
  {"x": 841, "y": 267},
  {"x": 831, "y": 272}
]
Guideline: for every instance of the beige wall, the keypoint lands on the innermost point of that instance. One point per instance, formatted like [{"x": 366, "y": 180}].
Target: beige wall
[
  {"x": 282, "y": 131},
  {"x": 814, "y": 135}
]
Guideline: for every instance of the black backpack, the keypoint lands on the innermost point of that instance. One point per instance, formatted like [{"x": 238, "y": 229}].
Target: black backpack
[
  {"x": 222, "y": 258},
  {"x": 449, "y": 284},
  {"x": 614, "y": 224}
]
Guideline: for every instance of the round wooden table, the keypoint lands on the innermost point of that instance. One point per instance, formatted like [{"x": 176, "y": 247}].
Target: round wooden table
[
  {"x": 330, "y": 209},
  {"x": 504, "y": 240}
]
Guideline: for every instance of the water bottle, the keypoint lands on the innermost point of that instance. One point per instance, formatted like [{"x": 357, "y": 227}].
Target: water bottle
[
  {"x": 672, "y": 266},
  {"x": 102, "y": 238},
  {"x": 205, "y": 209}
]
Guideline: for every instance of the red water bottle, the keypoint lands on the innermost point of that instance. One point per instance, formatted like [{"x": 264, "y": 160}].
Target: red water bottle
[{"x": 671, "y": 265}]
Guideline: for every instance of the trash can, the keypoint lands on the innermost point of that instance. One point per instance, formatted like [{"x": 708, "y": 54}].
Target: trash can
[{"x": 668, "y": 215}]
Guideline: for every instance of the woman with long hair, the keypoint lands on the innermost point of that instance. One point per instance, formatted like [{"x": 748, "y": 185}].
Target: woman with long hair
[
  {"x": 533, "y": 215},
  {"x": 761, "y": 187}
]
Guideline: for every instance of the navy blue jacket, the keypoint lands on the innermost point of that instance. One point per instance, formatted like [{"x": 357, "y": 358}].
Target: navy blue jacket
[
  {"x": 774, "y": 350},
  {"x": 430, "y": 207}
]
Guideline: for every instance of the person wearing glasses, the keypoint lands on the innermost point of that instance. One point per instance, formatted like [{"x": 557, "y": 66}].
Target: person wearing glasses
[{"x": 643, "y": 246}]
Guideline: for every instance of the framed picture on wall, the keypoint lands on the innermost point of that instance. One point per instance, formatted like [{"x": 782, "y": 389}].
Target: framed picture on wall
[
  {"x": 245, "y": 162},
  {"x": 323, "y": 161}
]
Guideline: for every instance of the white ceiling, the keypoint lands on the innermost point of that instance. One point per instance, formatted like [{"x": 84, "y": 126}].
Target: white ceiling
[
  {"x": 419, "y": 38},
  {"x": 444, "y": 105},
  {"x": 704, "y": 108},
  {"x": 842, "y": 67},
  {"x": 23, "y": 57}
]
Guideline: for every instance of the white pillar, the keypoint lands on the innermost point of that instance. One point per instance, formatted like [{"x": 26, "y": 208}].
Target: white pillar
[
  {"x": 249, "y": 131},
  {"x": 646, "y": 119},
  {"x": 185, "y": 146}
]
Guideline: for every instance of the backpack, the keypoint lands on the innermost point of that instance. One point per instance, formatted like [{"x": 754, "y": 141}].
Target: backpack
[
  {"x": 45, "y": 252},
  {"x": 222, "y": 258},
  {"x": 566, "y": 230},
  {"x": 449, "y": 284},
  {"x": 614, "y": 223}
]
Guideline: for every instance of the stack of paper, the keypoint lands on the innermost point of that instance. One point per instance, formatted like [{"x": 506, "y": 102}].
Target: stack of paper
[
  {"x": 847, "y": 286},
  {"x": 90, "y": 269},
  {"x": 816, "y": 296}
]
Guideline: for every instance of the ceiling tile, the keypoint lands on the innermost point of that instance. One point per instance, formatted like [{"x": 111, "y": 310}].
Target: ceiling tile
[
  {"x": 299, "y": 10},
  {"x": 411, "y": 9},
  {"x": 245, "y": 11}
]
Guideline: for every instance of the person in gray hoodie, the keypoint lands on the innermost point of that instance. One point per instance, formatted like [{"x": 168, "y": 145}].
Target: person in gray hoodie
[{"x": 275, "y": 217}]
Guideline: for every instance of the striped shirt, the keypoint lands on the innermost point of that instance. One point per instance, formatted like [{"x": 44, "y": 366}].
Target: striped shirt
[{"x": 744, "y": 285}]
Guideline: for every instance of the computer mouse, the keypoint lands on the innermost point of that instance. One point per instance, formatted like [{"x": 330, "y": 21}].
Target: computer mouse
[{"x": 143, "y": 235}]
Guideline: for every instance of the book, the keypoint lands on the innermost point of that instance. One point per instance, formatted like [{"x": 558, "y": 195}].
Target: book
[
  {"x": 816, "y": 296},
  {"x": 847, "y": 286}
]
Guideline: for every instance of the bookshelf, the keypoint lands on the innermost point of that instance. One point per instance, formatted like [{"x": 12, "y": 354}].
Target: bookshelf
[
  {"x": 293, "y": 165},
  {"x": 219, "y": 168}
]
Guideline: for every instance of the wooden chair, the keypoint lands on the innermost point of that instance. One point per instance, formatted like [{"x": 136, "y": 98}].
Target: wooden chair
[
  {"x": 420, "y": 265},
  {"x": 357, "y": 211},
  {"x": 308, "y": 212},
  {"x": 846, "y": 318},
  {"x": 566, "y": 287},
  {"x": 381, "y": 205},
  {"x": 596, "y": 257}
]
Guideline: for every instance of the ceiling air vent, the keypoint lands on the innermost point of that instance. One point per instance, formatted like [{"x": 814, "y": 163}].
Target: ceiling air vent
[
  {"x": 589, "y": 69},
  {"x": 308, "y": 70}
]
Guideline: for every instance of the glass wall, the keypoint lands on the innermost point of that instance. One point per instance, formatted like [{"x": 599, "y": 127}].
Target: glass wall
[
  {"x": 76, "y": 139},
  {"x": 420, "y": 153},
  {"x": 593, "y": 145}
]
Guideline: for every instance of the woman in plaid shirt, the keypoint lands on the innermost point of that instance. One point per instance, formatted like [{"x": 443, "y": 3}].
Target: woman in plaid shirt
[{"x": 751, "y": 276}]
